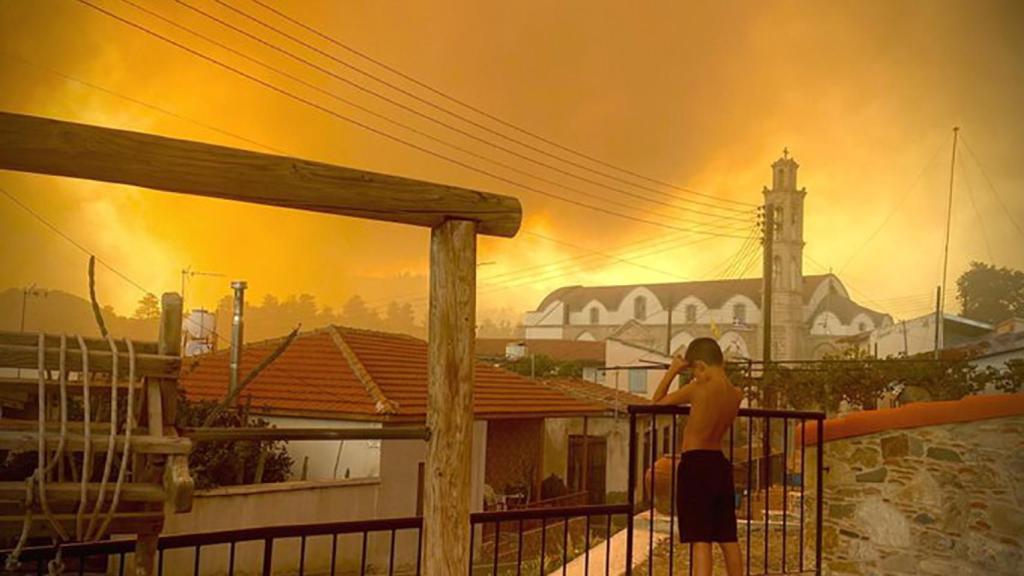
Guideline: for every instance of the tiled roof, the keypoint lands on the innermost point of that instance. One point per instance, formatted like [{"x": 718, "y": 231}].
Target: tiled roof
[
  {"x": 563, "y": 350},
  {"x": 713, "y": 293},
  {"x": 386, "y": 380},
  {"x": 597, "y": 393}
]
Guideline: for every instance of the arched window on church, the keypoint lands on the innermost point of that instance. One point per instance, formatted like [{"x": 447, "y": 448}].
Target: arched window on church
[
  {"x": 779, "y": 219},
  {"x": 776, "y": 271},
  {"x": 739, "y": 314},
  {"x": 639, "y": 308},
  {"x": 691, "y": 313},
  {"x": 595, "y": 315}
]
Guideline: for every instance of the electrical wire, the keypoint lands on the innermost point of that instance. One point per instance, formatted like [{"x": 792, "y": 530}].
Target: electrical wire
[
  {"x": 464, "y": 104},
  {"x": 379, "y": 132},
  {"x": 418, "y": 113}
]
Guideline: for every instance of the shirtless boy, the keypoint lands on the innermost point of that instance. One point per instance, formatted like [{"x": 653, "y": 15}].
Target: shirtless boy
[{"x": 705, "y": 497}]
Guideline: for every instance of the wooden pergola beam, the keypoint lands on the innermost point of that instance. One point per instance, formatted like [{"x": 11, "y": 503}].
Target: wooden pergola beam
[{"x": 59, "y": 148}]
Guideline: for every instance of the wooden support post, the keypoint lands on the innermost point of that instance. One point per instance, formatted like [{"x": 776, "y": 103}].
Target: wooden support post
[
  {"x": 452, "y": 317},
  {"x": 161, "y": 401}
]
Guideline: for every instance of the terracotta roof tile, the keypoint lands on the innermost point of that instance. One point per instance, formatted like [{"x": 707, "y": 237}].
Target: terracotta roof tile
[
  {"x": 313, "y": 376},
  {"x": 598, "y": 393}
]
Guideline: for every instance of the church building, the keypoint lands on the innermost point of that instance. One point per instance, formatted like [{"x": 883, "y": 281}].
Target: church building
[{"x": 809, "y": 313}]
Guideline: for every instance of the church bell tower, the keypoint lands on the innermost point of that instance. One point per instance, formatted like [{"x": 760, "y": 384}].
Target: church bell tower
[{"x": 787, "y": 205}]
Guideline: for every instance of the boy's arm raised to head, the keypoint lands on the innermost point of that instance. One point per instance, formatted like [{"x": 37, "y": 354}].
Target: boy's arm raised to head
[
  {"x": 677, "y": 366},
  {"x": 682, "y": 396}
]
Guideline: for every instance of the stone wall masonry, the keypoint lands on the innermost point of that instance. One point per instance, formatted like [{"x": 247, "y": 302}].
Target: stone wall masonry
[{"x": 935, "y": 500}]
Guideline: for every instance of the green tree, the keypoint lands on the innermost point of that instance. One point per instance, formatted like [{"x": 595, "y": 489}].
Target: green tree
[
  {"x": 231, "y": 463},
  {"x": 543, "y": 366},
  {"x": 149, "y": 308},
  {"x": 356, "y": 313},
  {"x": 400, "y": 318},
  {"x": 990, "y": 294}
]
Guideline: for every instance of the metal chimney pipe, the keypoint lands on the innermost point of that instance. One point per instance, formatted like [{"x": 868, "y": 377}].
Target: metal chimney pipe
[{"x": 239, "y": 287}]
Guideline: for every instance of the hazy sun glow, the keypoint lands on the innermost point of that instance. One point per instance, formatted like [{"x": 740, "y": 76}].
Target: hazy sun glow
[{"x": 705, "y": 95}]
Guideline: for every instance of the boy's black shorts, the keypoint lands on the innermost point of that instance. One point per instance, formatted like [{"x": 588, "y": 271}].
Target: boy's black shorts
[{"x": 705, "y": 497}]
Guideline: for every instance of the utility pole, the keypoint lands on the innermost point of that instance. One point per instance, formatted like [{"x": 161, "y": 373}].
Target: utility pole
[
  {"x": 25, "y": 293},
  {"x": 938, "y": 320},
  {"x": 668, "y": 333},
  {"x": 940, "y": 342},
  {"x": 766, "y": 286}
]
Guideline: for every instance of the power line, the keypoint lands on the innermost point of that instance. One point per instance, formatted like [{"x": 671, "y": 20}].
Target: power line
[
  {"x": 658, "y": 240},
  {"x": 427, "y": 102},
  {"x": 412, "y": 110},
  {"x": 462, "y": 103},
  {"x": 895, "y": 208},
  {"x": 992, "y": 187},
  {"x": 110, "y": 267},
  {"x": 372, "y": 129},
  {"x": 72, "y": 241},
  {"x": 974, "y": 206},
  {"x": 144, "y": 104},
  {"x": 214, "y": 128}
]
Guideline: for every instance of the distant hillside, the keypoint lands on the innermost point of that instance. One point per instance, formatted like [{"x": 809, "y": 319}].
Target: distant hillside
[{"x": 63, "y": 312}]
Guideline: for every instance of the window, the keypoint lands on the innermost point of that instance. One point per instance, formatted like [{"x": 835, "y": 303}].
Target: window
[
  {"x": 640, "y": 308},
  {"x": 637, "y": 381},
  {"x": 739, "y": 314},
  {"x": 862, "y": 327},
  {"x": 595, "y": 316},
  {"x": 691, "y": 313}
]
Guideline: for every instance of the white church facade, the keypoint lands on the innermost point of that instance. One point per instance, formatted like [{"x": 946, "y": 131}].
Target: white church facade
[{"x": 809, "y": 313}]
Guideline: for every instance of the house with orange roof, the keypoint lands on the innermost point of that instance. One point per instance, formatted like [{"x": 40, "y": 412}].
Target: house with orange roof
[{"x": 525, "y": 430}]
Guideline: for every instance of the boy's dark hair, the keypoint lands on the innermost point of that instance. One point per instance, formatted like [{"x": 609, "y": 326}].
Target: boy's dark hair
[{"x": 706, "y": 350}]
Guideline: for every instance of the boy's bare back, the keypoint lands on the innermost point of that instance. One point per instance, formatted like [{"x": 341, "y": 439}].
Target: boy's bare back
[{"x": 713, "y": 407}]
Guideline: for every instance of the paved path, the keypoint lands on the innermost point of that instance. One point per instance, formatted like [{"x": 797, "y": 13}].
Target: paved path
[{"x": 617, "y": 562}]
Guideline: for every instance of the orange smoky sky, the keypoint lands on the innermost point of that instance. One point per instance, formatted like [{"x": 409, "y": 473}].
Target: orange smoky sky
[{"x": 705, "y": 95}]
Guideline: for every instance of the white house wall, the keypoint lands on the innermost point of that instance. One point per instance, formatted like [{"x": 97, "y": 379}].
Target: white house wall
[
  {"x": 615, "y": 431},
  {"x": 359, "y": 458}
]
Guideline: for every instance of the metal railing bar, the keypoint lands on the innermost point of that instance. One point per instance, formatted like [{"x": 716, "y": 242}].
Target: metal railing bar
[
  {"x": 750, "y": 482},
  {"x": 519, "y": 550},
  {"x": 543, "y": 543},
  {"x": 268, "y": 557},
  {"x": 654, "y": 459},
  {"x": 648, "y": 409},
  {"x": 674, "y": 468},
  {"x": 497, "y": 545},
  {"x": 630, "y": 493},
  {"x": 803, "y": 481},
  {"x": 549, "y": 513},
  {"x": 767, "y": 485},
  {"x": 294, "y": 434},
  {"x": 565, "y": 544},
  {"x": 362, "y": 556},
  {"x": 785, "y": 486}
]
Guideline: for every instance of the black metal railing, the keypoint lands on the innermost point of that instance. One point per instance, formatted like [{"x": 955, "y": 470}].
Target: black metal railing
[
  {"x": 768, "y": 449},
  {"x": 262, "y": 548},
  {"x": 538, "y": 541},
  {"x": 780, "y": 444}
]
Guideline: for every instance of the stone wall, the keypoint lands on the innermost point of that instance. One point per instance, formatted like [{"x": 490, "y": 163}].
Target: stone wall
[{"x": 935, "y": 500}]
